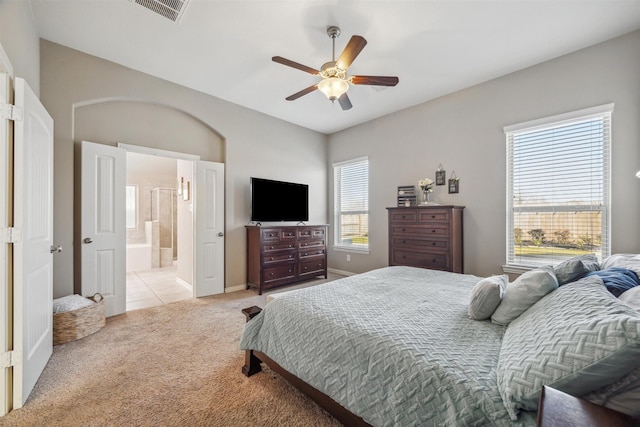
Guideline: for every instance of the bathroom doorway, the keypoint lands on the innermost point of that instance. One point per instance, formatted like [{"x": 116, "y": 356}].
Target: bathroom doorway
[{"x": 158, "y": 219}]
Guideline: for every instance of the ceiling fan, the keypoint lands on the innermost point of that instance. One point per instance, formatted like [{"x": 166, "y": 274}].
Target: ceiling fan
[{"x": 335, "y": 83}]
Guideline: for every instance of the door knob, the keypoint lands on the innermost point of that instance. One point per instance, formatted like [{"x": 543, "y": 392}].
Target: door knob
[
  {"x": 53, "y": 249},
  {"x": 88, "y": 240},
  {"x": 220, "y": 234}
]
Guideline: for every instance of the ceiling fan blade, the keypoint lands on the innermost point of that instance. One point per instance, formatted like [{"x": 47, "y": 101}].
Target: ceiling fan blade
[
  {"x": 353, "y": 49},
  {"x": 289, "y": 63},
  {"x": 301, "y": 93},
  {"x": 345, "y": 102},
  {"x": 374, "y": 80}
]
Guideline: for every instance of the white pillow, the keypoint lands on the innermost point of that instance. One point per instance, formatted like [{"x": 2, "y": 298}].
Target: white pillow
[
  {"x": 486, "y": 295},
  {"x": 523, "y": 292},
  {"x": 628, "y": 261},
  {"x": 631, "y": 297}
]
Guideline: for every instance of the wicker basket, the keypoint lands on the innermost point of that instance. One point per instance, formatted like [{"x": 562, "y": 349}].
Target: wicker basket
[{"x": 75, "y": 324}]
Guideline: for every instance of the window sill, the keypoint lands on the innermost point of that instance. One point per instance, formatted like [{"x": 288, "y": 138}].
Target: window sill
[{"x": 351, "y": 249}]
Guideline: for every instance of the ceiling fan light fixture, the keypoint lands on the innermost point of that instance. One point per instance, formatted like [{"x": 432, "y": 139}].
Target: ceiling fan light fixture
[{"x": 333, "y": 87}]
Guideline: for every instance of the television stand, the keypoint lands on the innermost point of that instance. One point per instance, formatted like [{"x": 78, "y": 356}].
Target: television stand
[{"x": 282, "y": 255}]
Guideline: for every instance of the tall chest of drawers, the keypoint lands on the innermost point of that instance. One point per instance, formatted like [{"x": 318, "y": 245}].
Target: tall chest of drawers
[
  {"x": 427, "y": 237},
  {"x": 283, "y": 255}
]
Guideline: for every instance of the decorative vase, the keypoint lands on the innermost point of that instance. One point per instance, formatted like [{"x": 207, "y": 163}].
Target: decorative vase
[{"x": 425, "y": 197}]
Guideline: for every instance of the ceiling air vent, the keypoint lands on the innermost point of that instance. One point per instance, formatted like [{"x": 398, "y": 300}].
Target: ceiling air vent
[{"x": 170, "y": 9}]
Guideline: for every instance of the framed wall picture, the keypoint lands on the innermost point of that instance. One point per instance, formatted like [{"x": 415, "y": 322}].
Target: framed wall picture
[
  {"x": 441, "y": 177},
  {"x": 454, "y": 185}
]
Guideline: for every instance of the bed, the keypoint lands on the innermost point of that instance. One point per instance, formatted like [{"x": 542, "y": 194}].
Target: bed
[{"x": 396, "y": 347}]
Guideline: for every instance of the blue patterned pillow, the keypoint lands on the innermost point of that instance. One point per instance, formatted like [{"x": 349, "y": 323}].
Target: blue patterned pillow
[{"x": 617, "y": 279}]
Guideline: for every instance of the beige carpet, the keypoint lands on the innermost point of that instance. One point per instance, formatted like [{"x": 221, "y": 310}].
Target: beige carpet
[{"x": 173, "y": 365}]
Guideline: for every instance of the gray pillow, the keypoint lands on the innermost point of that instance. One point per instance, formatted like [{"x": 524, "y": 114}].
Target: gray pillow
[
  {"x": 576, "y": 339},
  {"x": 486, "y": 295},
  {"x": 523, "y": 292},
  {"x": 575, "y": 268},
  {"x": 631, "y": 297}
]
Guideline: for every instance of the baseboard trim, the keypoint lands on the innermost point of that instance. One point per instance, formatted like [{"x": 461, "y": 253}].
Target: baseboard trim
[
  {"x": 235, "y": 288},
  {"x": 184, "y": 283},
  {"x": 341, "y": 272}
]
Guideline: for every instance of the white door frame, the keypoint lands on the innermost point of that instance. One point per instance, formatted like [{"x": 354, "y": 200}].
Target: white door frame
[
  {"x": 6, "y": 305},
  {"x": 173, "y": 155}
]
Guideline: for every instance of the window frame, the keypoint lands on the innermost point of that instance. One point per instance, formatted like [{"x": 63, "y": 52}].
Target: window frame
[
  {"x": 337, "y": 212},
  {"x": 603, "y": 111}
]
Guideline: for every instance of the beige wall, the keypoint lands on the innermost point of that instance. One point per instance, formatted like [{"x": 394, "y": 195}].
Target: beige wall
[
  {"x": 20, "y": 41},
  {"x": 463, "y": 131},
  {"x": 255, "y": 144}
]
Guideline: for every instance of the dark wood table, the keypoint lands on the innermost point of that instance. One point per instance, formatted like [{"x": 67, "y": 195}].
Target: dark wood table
[{"x": 558, "y": 409}]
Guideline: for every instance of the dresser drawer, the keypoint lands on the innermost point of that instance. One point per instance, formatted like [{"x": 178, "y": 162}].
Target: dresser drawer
[
  {"x": 288, "y": 234},
  {"x": 433, "y": 230},
  {"x": 307, "y": 244},
  {"x": 278, "y": 247},
  {"x": 312, "y": 252},
  {"x": 270, "y": 234},
  {"x": 402, "y": 216},
  {"x": 420, "y": 243},
  {"x": 312, "y": 267},
  {"x": 435, "y": 261},
  {"x": 271, "y": 276},
  {"x": 311, "y": 233},
  {"x": 279, "y": 257},
  {"x": 434, "y": 215}
]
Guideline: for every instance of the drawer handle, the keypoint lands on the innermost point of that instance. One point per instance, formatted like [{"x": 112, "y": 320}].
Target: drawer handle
[
  {"x": 404, "y": 241},
  {"x": 433, "y": 216},
  {"x": 403, "y": 216},
  {"x": 288, "y": 271},
  {"x": 270, "y": 247},
  {"x": 290, "y": 246},
  {"x": 433, "y": 231},
  {"x": 290, "y": 256},
  {"x": 271, "y": 259},
  {"x": 404, "y": 229},
  {"x": 404, "y": 256},
  {"x": 306, "y": 268},
  {"x": 434, "y": 243},
  {"x": 270, "y": 274},
  {"x": 433, "y": 261},
  {"x": 305, "y": 254}
]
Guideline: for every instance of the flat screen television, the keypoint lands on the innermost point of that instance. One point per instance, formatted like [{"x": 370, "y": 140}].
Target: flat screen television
[{"x": 273, "y": 201}]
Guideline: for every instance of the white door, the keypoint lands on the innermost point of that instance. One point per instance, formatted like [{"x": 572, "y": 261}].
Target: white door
[
  {"x": 102, "y": 235},
  {"x": 209, "y": 229},
  {"x": 33, "y": 252}
]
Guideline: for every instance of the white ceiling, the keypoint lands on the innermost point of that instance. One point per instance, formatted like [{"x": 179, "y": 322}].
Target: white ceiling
[{"x": 435, "y": 47}]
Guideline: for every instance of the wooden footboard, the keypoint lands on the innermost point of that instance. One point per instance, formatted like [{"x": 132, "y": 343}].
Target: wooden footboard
[{"x": 252, "y": 366}]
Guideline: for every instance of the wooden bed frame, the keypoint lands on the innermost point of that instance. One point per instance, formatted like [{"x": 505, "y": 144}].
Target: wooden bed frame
[{"x": 252, "y": 365}]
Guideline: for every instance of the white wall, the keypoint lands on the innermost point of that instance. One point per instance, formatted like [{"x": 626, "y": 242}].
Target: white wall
[
  {"x": 463, "y": 131},
  {"x": 255, "y": 144}
]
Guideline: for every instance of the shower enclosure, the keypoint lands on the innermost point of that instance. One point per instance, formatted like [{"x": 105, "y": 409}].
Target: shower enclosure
[{"x": 164, "y": 248}]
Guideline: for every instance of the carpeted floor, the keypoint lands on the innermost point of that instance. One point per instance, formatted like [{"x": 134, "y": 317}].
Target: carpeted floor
[{"x": 174, "y": 365}]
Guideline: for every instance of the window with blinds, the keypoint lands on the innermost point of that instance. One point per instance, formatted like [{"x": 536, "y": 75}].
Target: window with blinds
[
  {"x": 558, "y": 187},
  {"x": 351, "y": 204}
]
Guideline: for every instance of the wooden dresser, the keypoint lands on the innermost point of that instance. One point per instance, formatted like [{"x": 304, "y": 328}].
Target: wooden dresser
[
  {"x": 282, "y": 255},
  {"x": 427, "y": 237}
]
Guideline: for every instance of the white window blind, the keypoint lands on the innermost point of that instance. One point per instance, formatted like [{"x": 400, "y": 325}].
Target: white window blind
[
  {"x": 558, "y": 187},
  {"x": 351, "y": 202}
]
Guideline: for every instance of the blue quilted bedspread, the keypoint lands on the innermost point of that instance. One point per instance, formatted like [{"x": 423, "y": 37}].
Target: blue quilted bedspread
[{"x": 394, "y": 346}]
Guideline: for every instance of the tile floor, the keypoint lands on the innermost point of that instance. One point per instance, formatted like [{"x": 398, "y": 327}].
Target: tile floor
[{"x": 154, "y": 287}]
